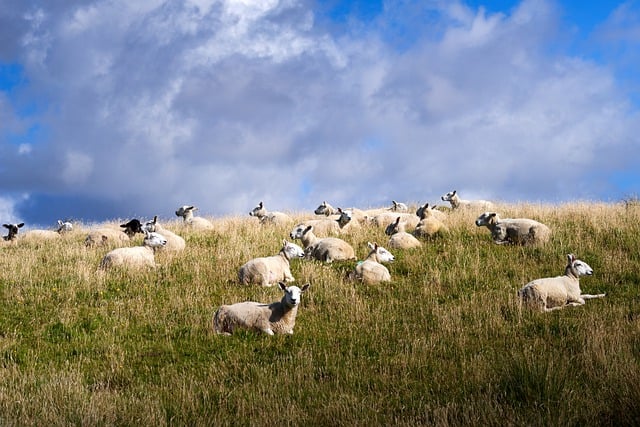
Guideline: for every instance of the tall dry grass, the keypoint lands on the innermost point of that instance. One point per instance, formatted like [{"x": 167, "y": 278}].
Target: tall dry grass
[{"x": 445, "y": 343}]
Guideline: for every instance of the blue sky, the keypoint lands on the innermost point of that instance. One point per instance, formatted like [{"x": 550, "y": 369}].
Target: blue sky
[{"x": 115, "y": 109}]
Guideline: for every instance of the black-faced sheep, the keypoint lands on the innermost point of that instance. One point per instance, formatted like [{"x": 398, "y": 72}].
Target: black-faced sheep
[
  {"x": 276, "y": 318},
  {"x": 13, "y": 230},
  {"x": 553, "y": 293},
  {"x": 519, "y": 231}
]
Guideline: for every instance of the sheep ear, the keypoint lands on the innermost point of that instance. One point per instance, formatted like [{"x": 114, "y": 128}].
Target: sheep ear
[
  {"x": 370, "y": 245},
  {"x": 571, "y": 258},
  {"x": 305, "y": 287},
  {"x": 397, "y": 220},
  {"x": 282, "y": 286},
  {"x": 21, "y": 225},
  {"x": 493, "y": 214},
  {"x": 6, "y": 225},
  {"x": 309, "y": 228}
]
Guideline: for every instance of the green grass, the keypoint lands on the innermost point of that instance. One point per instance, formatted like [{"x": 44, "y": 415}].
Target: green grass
[{"x": 444, "y": 343}]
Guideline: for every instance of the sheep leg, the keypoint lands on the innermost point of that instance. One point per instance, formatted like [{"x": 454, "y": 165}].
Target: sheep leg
[
  {"x": 588, "y": 296},
  {"x": 268, "y": 331}
]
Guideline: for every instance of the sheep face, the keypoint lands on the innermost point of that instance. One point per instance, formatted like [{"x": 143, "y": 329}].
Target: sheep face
[
  {"x": 451, "y": 195},
  {"x": 394, "y": 227},
  {"x": 345, "y": 217},
  {"x": 64, "y": 226},
  {"x": 292, "y": 250},
  {"x": 382, "y": 255},
  {"x": 154, "y": 240},
  {"x": 299, "y": 231},
  {"x": 578, "y": 267},
  {"x": 487, "y": 219},
  {"x": 398, "y": 207},
  {"x": 13, "y": 230},
  {"x": 292, "y": 294},
  {"x": 324, "y": 209},
  {"x": 185, "y": 210},
  {"x": 259, "y": 211},
  {"x": 132, "y": 227}
]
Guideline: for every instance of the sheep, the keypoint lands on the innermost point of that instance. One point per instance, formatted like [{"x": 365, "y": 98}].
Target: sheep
[
  {"x": 522, "y": 231},
  {"x": 371, "y": 270},
  {"x": 346, "y": 222},
  {"x": 276, "y": 318},
  {"x": 132, "y": 227},
  {"x": 327, "y": 249},
  {"x": 456, "y": 202},
  {"x": 398, "y": 207},
  {"x": 13, "y": 231},
  {"x": 429, "y": 225},
  {"x": 434, "y": 212},
  {"x": 174, "y": 243},
  {"x": 383, "y": 220},
  {"x": 106, "y": 236},
  {"x": 266, "y": 217},
  {"x": 324, "y": 227},
  {"x": 325, "y": 209},
  {"x": 195, "y": 222},
  {"x": 400, "y": 239},
  {"x": 553, "y": 293},
  {"x": 266, "y": 271},
  {"x": 136, "y": 256}
]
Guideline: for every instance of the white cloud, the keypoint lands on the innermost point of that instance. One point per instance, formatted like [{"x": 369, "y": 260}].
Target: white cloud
[{"x": 225, "y": 103}]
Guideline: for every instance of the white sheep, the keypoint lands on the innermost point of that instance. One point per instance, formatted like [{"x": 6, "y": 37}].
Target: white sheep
[
  {"x": 267, "y": 217},
  {"x": 400, "y": 239},
  {"x": 136, "y": 256},
  {"x": 276, "y": 318},
  {"x": 346, "y": 221},
  {"x": 383, "y": 220},
  {"x": 429, "y": 225},
  {"x": 457, "y": 203},
  {"x": 13, "y": 230},
  {"x": 371, "y": 270},
  {"x": 325, "y": 209},
  {"x": 63, "y": 227},
  {"x": 174, "y": 243},
  {"x": 104, "y": 236},
  {"x": 327, "y": 249},
  {"x": 266, "y": 271},
  {"x": 195, "y": 222},
  {"x": 553, "y": 293},
  {"x": 438, "y": 214},
  {"x": 522, "y": 231},
  {"x": 398, "y": 207}
]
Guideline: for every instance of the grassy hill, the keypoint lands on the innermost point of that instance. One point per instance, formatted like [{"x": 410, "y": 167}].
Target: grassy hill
[{"x": 445, "y": 343}]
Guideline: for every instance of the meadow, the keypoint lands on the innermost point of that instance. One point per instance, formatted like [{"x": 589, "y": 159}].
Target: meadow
[{"x": 444, "y": 343}]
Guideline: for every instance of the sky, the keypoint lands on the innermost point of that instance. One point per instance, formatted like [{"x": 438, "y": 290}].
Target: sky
[{"x": 117, "y": 109}]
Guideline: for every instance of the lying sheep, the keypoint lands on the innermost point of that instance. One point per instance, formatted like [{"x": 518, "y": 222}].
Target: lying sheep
[
  {"x": 346, "y": 222},
  {"x": 63, "y": 227},
  {"x": 106, "y": 236},
  {"x": 327, "y": 249},
  {"x": 267, "y": 217},
  {"x": 433, "y": 211},
  {"x": 384, "y": 219},
  {"x": 553, "y": 293},
  {"x": 325, "y": 209},
  {"x": 521, "y": 231},
  {"x": 13, "y": 230},
  {"x": 400, "y": 239},
  {"x": 195, "y": 222},
  {"x": 456, "y": 202},
  {"x": 429, "y": 225},
  {"x": 266, "y": 271},
  {"x": 136, "y": 256},
  {"x": 275, "y": 318},
  {"x": 324, "y": 227},
  {"x": 371, "y": 270},
  {"x": 174, "y": 243},
  {"x": 398, "y": 207}
]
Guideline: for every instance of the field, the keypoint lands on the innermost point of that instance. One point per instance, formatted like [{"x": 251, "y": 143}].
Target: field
[{"x": 444, "y": 343}]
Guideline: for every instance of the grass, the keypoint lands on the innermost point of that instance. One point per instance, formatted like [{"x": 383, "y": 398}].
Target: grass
[{"x": 444, "y": 343}]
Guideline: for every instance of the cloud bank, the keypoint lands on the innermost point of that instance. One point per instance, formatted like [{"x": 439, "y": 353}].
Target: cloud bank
[{"x": 117, "y": 108}]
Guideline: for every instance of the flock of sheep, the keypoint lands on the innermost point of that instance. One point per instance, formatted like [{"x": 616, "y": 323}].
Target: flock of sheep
[{"x": 320, "y": 241}]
